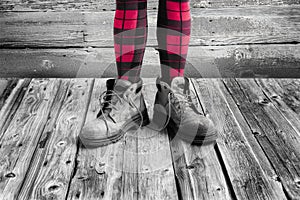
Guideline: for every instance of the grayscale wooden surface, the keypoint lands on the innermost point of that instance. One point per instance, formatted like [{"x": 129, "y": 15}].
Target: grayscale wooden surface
[
  {"x": 74, "y": 38},
  {"x": 256, "y": 156}
]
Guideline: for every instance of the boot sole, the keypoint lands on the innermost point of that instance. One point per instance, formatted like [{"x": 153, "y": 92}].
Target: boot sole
[{"x": 203, "y": 139}]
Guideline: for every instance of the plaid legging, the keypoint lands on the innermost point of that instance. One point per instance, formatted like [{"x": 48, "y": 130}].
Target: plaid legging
[{"x": 130, "y": 36}]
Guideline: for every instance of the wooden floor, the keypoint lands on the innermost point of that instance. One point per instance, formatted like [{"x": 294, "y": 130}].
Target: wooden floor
[
  {"x": 74, "y": 38},
  {"x": 257, "y": 155}
]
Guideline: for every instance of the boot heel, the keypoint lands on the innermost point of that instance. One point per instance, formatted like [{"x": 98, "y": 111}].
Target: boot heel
[
  {"x": 138, "y": 120},
  {"x": 146, "y": 119}
]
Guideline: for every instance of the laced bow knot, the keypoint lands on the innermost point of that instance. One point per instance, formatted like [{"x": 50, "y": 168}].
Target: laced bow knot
[
  {"x": 108, "y": 102},
  {"x": 182, "y": 101}
]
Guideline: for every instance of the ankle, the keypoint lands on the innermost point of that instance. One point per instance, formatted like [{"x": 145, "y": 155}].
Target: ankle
[{"x": 130, "y": 79}]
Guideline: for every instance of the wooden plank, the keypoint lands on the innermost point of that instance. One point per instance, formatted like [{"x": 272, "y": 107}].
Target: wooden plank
[
  {"x": 247, "y": 175},
  {"x": 221, "y": 90},
  {"x": 156, "y": 178},
  {"x": 11, "y": 99},
  {"x": 278, "y": 96},
  {"x": 206, "y": 61},
  {"x": 276, "y": 136},
  {"x": 6, "y": 87},
  {"x": 37, "y": 162},
  {"x": 130, "y": 185},
  {"x": 53, "y": 178},
  {"x": 42, "y": 29},
  {"x": 22, "y": 135},
  {"x": 291, "y": 96},
  {"x": 248, "y": 25},
  {"x": 93, "y": 5},
  {"x": 5, "y": 84},
  {"x": 198, "y": 172},
  {"x": 98, "y": 173}
]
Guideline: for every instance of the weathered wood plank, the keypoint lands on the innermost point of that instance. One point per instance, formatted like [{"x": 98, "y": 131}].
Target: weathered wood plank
[
  {"x": 53, "y": 178},
  {"x": 130, "y": 187},
  {"x": 276, "y": 94},
  {"x": 249, "y": 25},
  {"x": 276, "y": 136},
  {"x": 245, "y": 129},
  {"x": 6, "y": 85},
  {"x": 6, "y": 88},
  {"x": 22, "y": 135},
  {"x": 10, "y": 100},
  {"x": 93, "y": 5},
  {"x": 198, "y": 172},
  {"x": 206, "y": 61},
  {"x": 246, "y": 173},
  {"x": 39, "y": 156},
  {"x": 292, "y": 95},
  {"x": 156, "y": 178},
  {"x": 98, "y": 172}
]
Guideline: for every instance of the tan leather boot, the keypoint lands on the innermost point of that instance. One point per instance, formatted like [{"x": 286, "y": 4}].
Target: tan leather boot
[
  {"x": 122, "y": 109},
  {"x": 175, "y": 109}
]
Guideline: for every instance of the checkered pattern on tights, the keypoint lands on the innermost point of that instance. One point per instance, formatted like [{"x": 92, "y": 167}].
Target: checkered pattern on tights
[{"x": 130, "y": 36}]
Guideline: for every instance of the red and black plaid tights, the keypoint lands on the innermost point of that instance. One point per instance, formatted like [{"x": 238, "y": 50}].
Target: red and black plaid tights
[{"x": 130, "y": 35}]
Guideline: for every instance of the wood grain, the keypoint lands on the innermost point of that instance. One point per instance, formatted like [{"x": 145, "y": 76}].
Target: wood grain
[
  {"x": 247, "y": 176},
  {"x": 11, "y": 99},
  {"x": 38, "y": 160},
  {"x": 279, "y": 60},
  {"x": 276, "y": 94},
  {"x": 7, "y": 89},
  {"x": 248, "y": 25},
  {"x": 291, "y": 93},
  {"x": 275, "y": 135},
  {"x": 6, "y": 85},
  {"x": 53, "y": 178},
  {"x": 93, "y": 5},
  {"x": 198, "y": 172},
  {"x": 98, "y": 172},
  {"x": 22, "y": 135},
  {"x": 156, "y": 178}
]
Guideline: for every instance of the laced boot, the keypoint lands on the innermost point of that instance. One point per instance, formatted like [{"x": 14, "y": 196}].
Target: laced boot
[
  {"x": 122, "y": 108},
  {"x": 175, "y": 109}
]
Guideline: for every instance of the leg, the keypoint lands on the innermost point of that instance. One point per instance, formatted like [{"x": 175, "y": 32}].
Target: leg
[
  {"x": 130, "y": 35},
  {"x": 173, "y": 36}
]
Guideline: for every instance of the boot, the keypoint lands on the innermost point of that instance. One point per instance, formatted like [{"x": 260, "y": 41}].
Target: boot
[
  {"x": 122, "y": 109},
  {"x": 175, "y": 109}
]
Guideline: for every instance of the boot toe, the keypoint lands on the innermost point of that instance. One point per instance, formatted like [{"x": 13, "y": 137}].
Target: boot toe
[
  {"x": 95, "y": 133},
  {"x": 197, "y": 130}
]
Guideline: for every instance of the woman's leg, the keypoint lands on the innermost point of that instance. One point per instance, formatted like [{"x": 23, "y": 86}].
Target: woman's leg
[
  {"x": 173, "y": 36},
  {"x": 130, "y": 35}
]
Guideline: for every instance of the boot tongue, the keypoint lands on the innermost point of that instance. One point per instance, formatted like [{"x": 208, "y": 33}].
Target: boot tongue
[
  {"x": 121, "y": 86},
  {"x": 180, "y": 85}
]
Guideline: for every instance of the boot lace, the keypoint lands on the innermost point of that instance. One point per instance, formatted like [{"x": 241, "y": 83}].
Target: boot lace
[
  {"x": 182, "y": 101},
  {"x": 108, "y": 100}
]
